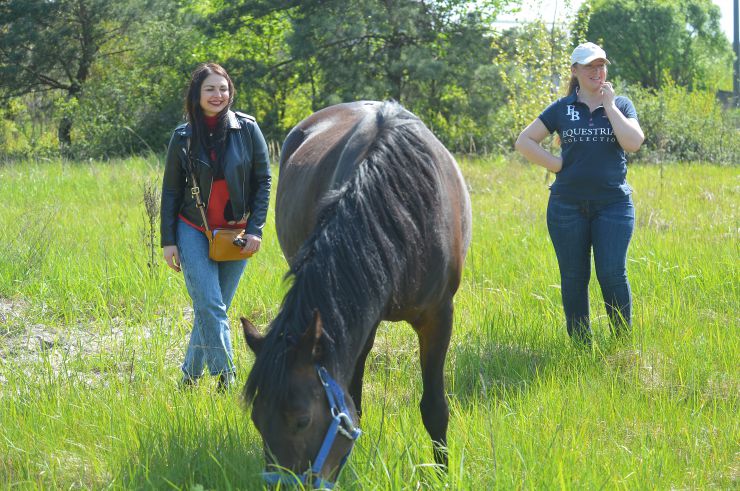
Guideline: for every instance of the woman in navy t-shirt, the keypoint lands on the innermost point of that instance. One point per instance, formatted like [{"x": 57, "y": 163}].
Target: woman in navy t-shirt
[{"x": 590, "y": 204}]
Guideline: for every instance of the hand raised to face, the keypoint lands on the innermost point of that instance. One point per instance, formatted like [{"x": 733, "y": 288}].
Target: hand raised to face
[{"x": 607, "y": 92}]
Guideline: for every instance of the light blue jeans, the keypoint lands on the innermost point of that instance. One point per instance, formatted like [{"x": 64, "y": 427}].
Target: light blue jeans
[{"x": 211, "y": 286}]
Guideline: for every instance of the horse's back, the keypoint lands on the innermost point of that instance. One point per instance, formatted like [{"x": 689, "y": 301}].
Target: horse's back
[
  {"x": 325, "y": 149},
  {"x": 308, "y": 162}
]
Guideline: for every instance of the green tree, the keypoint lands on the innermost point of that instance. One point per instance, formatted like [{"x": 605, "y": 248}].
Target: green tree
[
  {"x": 423, "y": 54},
  {"x": 133, "y": 100},
  {"x": 251, "y": 40},
  {"x": 531, "y": 66},
  {"x": 651, "y": 42},
  {"x": 55, "y": 46},
  {"x": 372, "y": 48}
]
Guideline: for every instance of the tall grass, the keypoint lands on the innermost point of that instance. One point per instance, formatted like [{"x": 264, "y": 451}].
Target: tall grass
[{"x": 91, "y": 339}]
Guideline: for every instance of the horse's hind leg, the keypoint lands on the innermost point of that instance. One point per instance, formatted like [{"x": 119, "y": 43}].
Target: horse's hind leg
[
  {"x": 355, "y": 388},
  {"x": 434, "y": 329}
]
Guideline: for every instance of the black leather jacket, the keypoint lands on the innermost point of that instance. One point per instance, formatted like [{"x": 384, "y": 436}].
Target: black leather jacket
[{"x": 246, "y": 170}]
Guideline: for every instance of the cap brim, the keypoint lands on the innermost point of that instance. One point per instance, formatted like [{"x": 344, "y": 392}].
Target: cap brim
[{"x": 589, "y": 59}]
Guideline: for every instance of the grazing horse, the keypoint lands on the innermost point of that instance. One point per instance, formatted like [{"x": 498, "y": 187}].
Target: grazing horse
[{"x": 374, "y": 218}]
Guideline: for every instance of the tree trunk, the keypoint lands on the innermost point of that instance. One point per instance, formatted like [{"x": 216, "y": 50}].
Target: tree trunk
[{"x": 64, "y": 133}]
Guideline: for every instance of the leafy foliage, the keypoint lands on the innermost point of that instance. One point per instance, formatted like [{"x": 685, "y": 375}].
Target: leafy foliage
[
  {"x": 114, "y": 82},
  {"x": 55, "y": 45},
  {"x": 115, "y": 69},
  {"x": 423, "y": 54},
  {"x": 653, "y": 41},
  {"x": 253, "y": 47},
  {"x": 533, "y": 65},
  {"x": 688, "y": 126},
  {"x": 134, "y": 100}
]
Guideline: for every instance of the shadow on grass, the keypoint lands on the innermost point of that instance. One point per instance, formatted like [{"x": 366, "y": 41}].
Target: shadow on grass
[
  {"x": 504, "y": 364},
  {"x": 488, "y": 369},
  {"x": 196, "y": 449}
]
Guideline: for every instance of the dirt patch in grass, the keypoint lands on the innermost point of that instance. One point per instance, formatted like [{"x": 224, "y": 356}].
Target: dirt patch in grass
[
  {"x": 655, "y": 372},
  {"x": 90, "y": 353}
]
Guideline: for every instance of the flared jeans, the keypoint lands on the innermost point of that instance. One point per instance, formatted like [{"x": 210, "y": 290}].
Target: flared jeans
[{"x": 211, "y": 286}]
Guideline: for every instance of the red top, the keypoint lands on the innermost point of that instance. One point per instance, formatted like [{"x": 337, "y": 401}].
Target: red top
[
  {"x": 215, "y": 210},
  {"x": 211, "y": 122}
]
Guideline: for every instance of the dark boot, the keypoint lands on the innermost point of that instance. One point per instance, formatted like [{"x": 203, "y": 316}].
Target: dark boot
[
  {"x": 580, "y": 333},
  {"x": 187, "y": 383},
  {"x": 225, "y": 382}
]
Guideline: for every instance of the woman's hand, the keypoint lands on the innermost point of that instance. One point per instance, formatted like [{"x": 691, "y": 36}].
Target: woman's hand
[
  {"x": 252, "y": 245},
  {"x": 172, "y": 256},
  {"x": 627, "y": 130},
  {"x": 607, "y": 94}
]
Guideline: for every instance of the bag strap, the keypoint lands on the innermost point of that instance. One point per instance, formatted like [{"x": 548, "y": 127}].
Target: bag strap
[{"x": 195, "y": 191}]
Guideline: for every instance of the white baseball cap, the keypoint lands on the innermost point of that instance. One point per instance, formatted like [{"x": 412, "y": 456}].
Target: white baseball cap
[{"x": 586, "y": 53}]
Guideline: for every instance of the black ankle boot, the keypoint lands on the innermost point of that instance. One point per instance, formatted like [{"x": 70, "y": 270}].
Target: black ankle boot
[
  {"x": 187, "y": 383},
  {"x": 225, "y": 382}
]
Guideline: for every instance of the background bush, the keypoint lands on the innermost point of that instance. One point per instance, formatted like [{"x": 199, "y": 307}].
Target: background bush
[{"x": 686, "y": 125}]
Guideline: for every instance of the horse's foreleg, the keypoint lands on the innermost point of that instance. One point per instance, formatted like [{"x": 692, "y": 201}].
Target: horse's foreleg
[
  {"x": 355, "y": 388},
  {"x": 434, "y": 330}
]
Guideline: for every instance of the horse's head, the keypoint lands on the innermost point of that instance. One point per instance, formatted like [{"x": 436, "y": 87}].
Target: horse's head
[{"x": 308, "y": 430}]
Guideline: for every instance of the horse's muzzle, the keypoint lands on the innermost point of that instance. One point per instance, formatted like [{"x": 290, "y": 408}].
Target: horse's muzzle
[{"x": 342, "y": 424}]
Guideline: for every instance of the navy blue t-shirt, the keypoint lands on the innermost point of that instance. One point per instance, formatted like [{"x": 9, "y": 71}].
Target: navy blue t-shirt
[{"x": 594, "y": 165}]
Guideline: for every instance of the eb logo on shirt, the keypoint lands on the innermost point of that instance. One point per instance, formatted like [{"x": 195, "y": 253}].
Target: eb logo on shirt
[{"x": 574, "y": 115}]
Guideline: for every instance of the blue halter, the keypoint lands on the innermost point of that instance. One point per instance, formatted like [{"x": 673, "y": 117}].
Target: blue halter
[{"x": 341, "y": 424}]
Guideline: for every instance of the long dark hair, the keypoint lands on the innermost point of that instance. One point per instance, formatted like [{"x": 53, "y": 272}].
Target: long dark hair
[{"x": 194, "y": 113}]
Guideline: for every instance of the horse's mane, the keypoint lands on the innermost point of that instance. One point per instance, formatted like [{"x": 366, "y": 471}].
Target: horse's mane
[{"x": 365, "y": 247}]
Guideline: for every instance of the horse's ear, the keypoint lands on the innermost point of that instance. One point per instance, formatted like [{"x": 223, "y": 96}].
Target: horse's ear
[
  {"x": 252, "y": 336},
  {"x": 318, "y": 347},
  {"x": 311, "y": 348}
]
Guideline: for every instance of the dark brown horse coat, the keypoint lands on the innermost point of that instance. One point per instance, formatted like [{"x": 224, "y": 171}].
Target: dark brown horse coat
[{"x": 374, "y": 218}]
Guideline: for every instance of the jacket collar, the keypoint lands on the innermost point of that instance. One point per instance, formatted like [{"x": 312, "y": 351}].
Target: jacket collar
[
  {"x": 233, "y": 122},
  {"x": 186, "y": 130}
]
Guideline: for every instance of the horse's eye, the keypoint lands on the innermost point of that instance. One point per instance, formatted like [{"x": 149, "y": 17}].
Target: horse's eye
[{"x": 302, "y": 422}]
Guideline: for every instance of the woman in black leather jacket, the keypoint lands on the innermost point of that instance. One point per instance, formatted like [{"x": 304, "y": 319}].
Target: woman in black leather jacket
[{"x": 231, "y": 164}]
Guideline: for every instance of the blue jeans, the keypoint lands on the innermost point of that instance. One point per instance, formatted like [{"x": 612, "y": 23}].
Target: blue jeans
[
  {"x": 577, "y": 227},
  {"x": 211, "y": 286}
]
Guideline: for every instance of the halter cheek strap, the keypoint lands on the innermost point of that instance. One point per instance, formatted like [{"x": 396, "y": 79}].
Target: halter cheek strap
[{"x": 341, "y": 424}]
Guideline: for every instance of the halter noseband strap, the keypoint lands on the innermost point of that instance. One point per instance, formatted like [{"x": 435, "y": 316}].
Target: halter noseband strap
[{"x": 341, "y": 424}]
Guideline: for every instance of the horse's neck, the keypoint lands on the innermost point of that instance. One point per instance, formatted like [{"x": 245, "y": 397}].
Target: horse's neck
[
  {"x": 350, "y": 299},
  {"x": 347, "y": 354}
]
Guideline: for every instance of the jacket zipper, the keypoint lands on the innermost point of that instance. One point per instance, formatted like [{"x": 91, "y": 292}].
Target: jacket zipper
[
  {"x": 210, "y": 187},
  {"x": 244, "y": 177},
  {"x": 210, "y": 190}
]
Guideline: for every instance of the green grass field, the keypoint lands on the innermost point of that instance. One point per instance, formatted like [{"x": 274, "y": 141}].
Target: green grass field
[{"x": 92, "y": 334}]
